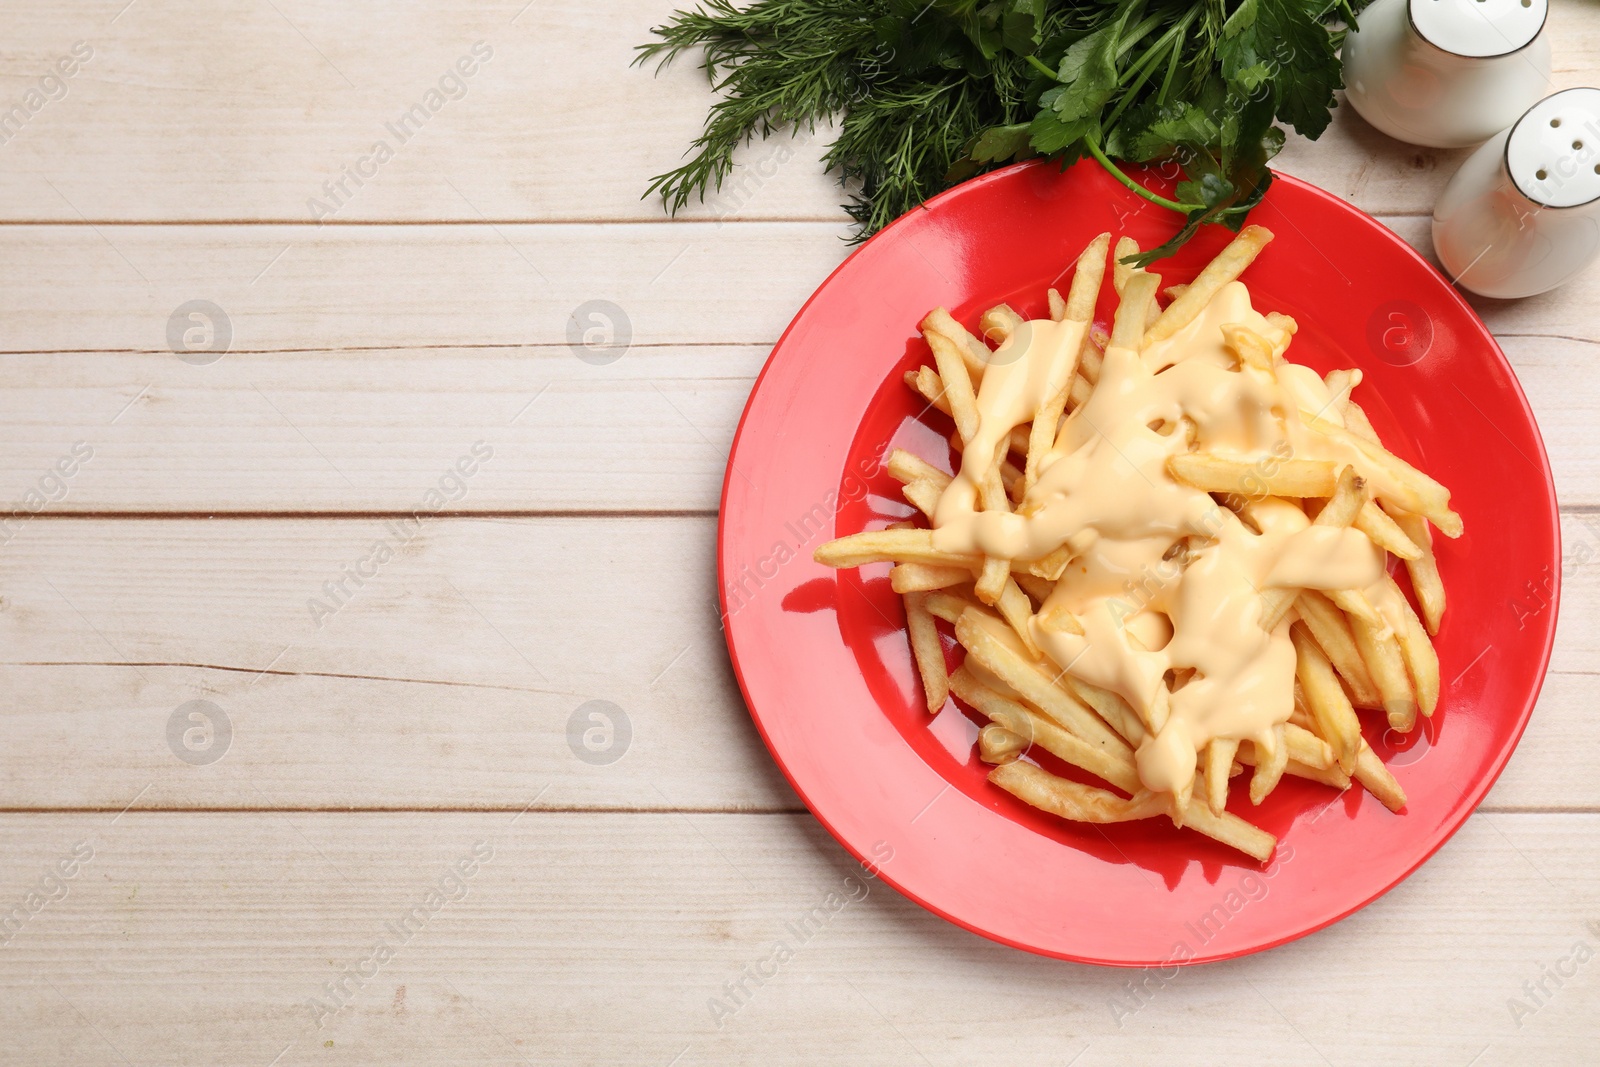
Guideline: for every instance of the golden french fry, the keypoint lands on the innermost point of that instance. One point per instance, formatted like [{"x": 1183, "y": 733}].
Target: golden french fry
[
  {"x": 1393, "y": 479},
  {"x": 906, "y": 467},
  {"x": 1287, "y": 477},
  {"x": 1386, "y": 533},
  {"x": 1355, "y": 604},
  {"x": 1071, "y": 800},
  {"x": 974, "y": 353},
  {"x": 1090, "y": 362},
  {"x": 896, "y": 546},
  {"x": 1424, "y": 568},
  {"x": 1087, "y": 278},
  {"x": 1229, "y": 264},
  {"x": 921, "y": 578},
  {"x": 999, "y": 323},
  {"x": 1356, "y": 421},
  {"x": 927, "y": 650},
  {"x": 1330, "y": 708},
  {"x": 923, "y": 495},
  {"x": 1270, "y": 766},
  {"x": 1378, "y": 780},
  {"x": 1050, "y": 567},
  {"x": 1038, "y": 589},
  {"x": 1295, "y": 769},
  {"x": 1116, "y": 712},
  {"x": 958, "y": 391},
  {"x": 947, "y": 606},
  {"x": 1332, "y": 632},
  {"x": 1349, "y": 497},
  {"x": 1422, "y": 662},
  {"x": 1339, "y": 383},
  {"x": 1380, "y": 651},
  {"x": 1078, "y": 394},
  {"x": 1058, "y": 306},
  {"x": 1127, "y": 248},
  {"x": 1307, "y": 748},
  {"x": 1250, "y": 347},
  {"x": 1175, "y": 291},
  {"x": 1044, "y": 732},
  {"x": 1035, "y": 685},
  {"x": 1219, "y": 767},
  {"x": 1127, "y": 329},
  {"x": 1229, "y": 829},
  {"x": 996, "y": 744},
  {"x": 1015, "y": 607}
]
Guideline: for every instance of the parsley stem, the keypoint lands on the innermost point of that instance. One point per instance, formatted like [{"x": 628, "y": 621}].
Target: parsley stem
[
  {"x": 1111, "y": 168},
  {"x": 1039, "y": 65}
]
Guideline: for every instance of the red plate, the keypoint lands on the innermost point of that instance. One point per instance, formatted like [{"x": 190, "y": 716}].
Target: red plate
[{"x": 822, "y": 656}]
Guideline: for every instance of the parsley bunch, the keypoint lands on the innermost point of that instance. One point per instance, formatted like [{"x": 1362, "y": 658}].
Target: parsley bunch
[{"x": 927, "y": 94}]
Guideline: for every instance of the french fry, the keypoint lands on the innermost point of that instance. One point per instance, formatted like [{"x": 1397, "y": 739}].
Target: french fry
[
  {"x": 1087, "y": 279},
  {"x": 1219, "y": 768},
  {"x": 1349, "y": 495},
  {"x": 1229, "y": 829},
  {"x": 928, "y": 651},
  {"x": 1339, "y": 383},
  {"x": 1332, "y": 632},
  {"x": 1393, "y": 479},
  {"x": 1220, "y": 474},
  {"x": 1229, "y": 264},
  {"x": 1356, "y": 421},
  {"x": 1250, "y": 347},
  {"x": 906, "y": 467},
  {"x": 1015, "y": 607},
  {"x": 1038, "y": 589},
  {"x": 1127, "y": 329},
  {"x": 923, "y": 495},
  {"x": 1331, "y": 776},
  {"x": 996, "y": 744},
  {"x": 1380, "y": 651},
  {"x": 897, "y": 546},
  {"x": 947, "y": 606},
  {"x": 957, "y": 381},
  {"x": 1424, "y": 568},
  {"x": 1071, "y": 800},
  {"x": 1378, "y": 780},
  {"x": 1422, "y": 662},
  {"x": 920, "y": 577},
  {"x": 1090, "y": 362},
  {"x": 1044, "y": 732},
  {"x": 1117, "y": 713},
  {"x": 1270, "y": 766},
  {"x": 1307, "y": 748},
  {"x": 999, "y": 323},
  {"x": 1330, "y": 708},
  {"x": 1058, "y": 306},
  {"x": 1035, "y": 685},
  {"x": 1126, "y": 248},
  {"x": 974, "y": 353},
  {"x": 1386, "y": 533}
]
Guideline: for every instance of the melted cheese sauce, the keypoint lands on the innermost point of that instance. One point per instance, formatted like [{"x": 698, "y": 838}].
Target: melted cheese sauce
[{"x": 1162, "y": 577}]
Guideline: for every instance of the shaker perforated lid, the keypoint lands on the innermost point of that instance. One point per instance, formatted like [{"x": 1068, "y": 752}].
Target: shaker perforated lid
[
  {"x": 1478, "y": 28},
  {"x": 1553, "y": 153}
]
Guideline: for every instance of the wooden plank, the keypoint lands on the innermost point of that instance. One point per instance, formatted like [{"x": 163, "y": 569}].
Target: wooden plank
[
  {"x": 552, "y": 125},
  {"x": 298, "y": 288},
  {"x": 450, "y": 679},
  {"x": 375, "y": 431},
  {"x": 204, "y": 939}
]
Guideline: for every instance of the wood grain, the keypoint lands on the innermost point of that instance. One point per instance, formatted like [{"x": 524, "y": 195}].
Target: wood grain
[
  {"x": 601, "y": 939},
  {"x": 448, "y": 680},
  {"x": 270, "y": 101}
]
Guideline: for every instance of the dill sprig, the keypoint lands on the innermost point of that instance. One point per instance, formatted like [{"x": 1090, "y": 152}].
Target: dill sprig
[{"x": 928, "y": 94}]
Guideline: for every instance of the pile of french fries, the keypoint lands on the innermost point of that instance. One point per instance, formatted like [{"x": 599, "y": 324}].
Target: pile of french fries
[{"x": 1347, "y": 658}]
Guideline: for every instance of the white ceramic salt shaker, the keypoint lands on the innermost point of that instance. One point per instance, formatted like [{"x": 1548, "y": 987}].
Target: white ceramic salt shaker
[
  {"x": 1522, "y": 215},
  {"x": 1447, "y": 73}
]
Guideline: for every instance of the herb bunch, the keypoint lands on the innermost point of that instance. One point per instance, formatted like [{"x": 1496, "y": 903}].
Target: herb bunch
[{"x": 926, "y": 94}]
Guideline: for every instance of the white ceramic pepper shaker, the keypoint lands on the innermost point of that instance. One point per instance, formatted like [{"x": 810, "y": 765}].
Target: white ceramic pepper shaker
[
  {"x": 1522, "y": 215},
  {"x": 1447, "y": 73}
]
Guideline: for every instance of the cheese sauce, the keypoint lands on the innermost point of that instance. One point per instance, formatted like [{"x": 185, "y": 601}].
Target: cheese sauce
[{"x": 1166, "y": 583}]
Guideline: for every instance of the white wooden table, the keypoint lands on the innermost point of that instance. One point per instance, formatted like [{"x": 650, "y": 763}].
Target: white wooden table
[{"x": 232, "y": 872}]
